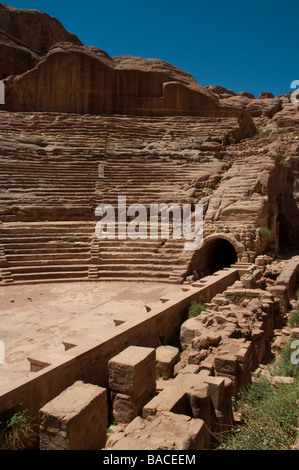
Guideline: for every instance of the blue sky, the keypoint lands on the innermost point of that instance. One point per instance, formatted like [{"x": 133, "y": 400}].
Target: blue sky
[{"x": 243, "y": 46}]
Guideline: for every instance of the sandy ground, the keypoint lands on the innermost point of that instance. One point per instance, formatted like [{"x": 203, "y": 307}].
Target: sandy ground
[{"x": 35, "y": 317}]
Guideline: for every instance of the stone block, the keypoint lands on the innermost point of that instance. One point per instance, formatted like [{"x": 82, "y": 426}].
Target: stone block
[
  {"x": 75, "y": 420},
  {"x": 226, "y": 364},
  {"x": 259, "y": 261},
  {"x": 132, "y": 380},
  {"x": 200, "y": 403},
  {"x": 174, "y": 397},
  {"x": 125, "y": 408},
  {"x": 244, "y": 355},
  {"x": 217, "y": 390},
  {"x": 189, "y": 329},
  {"x": 167, "y": 431},
  {"x": 200, "y": 342},
  {"x": 288, "y": 275},
  {"x": 227, "y": 389},
  {"x": 166, "y": 358},
  {"x": 245, "y": 360},
  {"x": 133, "y": 369},
  {"x": 248, "y": 281},
  {"x": 259, "y": 349},
  {"x": 278, "y": 291},
  {"x": 208, "y": 364},
  {"x": 194, "y": 357},
  {"x": 213, "y": 338},
  {"x": 190, "y": 369},
  {"x": 232, "y": 380},
  {"x": 150, "y": 409}
]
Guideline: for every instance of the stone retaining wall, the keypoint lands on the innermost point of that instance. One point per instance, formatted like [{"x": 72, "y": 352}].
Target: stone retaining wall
[
  {"x": 197, "y": 402},
  {"x": 86, "y": 358}
]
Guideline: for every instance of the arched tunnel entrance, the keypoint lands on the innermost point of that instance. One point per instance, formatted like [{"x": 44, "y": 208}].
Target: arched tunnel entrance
[{"x": 215, "y": 254}]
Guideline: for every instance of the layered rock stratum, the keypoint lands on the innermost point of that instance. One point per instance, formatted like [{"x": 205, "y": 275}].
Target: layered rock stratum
[{"x": 79, "y": 128}]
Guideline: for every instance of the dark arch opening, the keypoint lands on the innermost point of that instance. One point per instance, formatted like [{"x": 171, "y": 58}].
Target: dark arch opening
[
  {"x": 213, "y": 256},
  {"x": 283, "y": 231}
]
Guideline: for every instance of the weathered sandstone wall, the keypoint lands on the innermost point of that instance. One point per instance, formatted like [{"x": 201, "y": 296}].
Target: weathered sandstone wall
[{"x": 85, "y": 80}]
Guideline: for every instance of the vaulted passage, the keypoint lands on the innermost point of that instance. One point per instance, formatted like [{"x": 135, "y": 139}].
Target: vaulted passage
[{"x": 214, "y": 255}]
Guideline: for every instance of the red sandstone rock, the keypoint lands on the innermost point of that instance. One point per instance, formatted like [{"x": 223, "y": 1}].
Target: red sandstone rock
[
  {"x": 266, "y": 94},
  {"x": 75, "y": 420},
  {"x": 168, "y": 431},
  {"x": 25, "y": 36},
  {"x": 220, "y": 91},
  {"x": 288, "y": 116},
  {"x": 85, "y": 80},
  {"x": 267, "y": 107},
  {"x": 72, "y": 78},
  {"x": 246, "y": 94}
]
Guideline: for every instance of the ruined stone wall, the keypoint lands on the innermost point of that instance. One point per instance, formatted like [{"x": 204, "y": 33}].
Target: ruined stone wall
[{"x": 220, "y": 349}]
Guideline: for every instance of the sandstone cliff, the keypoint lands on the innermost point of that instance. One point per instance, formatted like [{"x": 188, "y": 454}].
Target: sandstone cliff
[
  {"x": 50, "y": 70},
  {"x": 85, "y": 80},
  {"x": 25, "y": 36}
]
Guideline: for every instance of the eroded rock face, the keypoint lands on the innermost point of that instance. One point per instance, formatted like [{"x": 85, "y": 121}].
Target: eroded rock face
[
  {"x": 25, "y": 36},
  {"x": 62, "y": 75},
  {"x": 65, "y": 76},
  {"x": 85, "y": 80},
  {"x": 259, "y": 188},
  {"x": 128, "y": 62},
  {"x": 267, "y": 112},
  {"x": 288, "y": 116},
  {"x": 242, "y": 187},
  {"x": 267, "y": 107}
]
